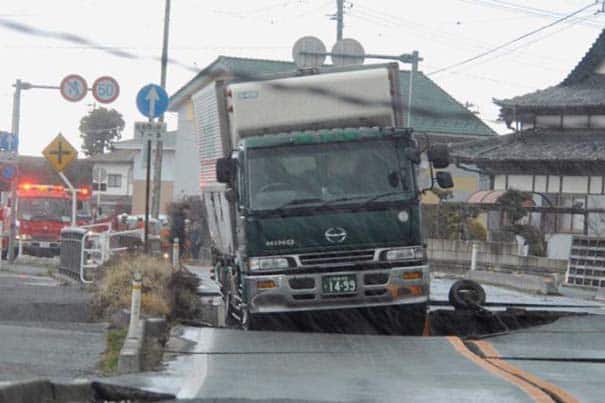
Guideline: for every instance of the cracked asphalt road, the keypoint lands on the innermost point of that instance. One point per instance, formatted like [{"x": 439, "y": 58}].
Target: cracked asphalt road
[{"x": 45, "y": 327}]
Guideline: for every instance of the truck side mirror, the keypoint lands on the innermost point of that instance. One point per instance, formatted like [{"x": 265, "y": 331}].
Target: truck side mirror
[
  {"x": 444, "y": 180},
  {"x": 439, "y": 156},
  {"x": 225, "y": 170},
  {"x": 413, "y": 154}
]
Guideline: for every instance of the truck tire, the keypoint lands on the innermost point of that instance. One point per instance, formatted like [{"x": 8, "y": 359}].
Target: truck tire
[
  {"x": 466, "y": 294},
  {"x": 229, "y": 319},
  {"x": 250, "y": 321}
]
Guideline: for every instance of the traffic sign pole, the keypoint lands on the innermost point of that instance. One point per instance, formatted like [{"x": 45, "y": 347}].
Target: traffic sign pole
[
  {"x": 147, "y": 188},
  {"x": 12, "y": 230}
]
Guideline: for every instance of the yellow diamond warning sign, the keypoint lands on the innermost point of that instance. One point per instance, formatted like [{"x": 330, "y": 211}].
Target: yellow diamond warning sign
[{"x": 60, "y": 153}]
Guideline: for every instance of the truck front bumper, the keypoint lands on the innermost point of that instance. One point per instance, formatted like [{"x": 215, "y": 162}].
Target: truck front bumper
[
  {"x": 35, "y": 247},
  {"x": 303, "y": 292}
]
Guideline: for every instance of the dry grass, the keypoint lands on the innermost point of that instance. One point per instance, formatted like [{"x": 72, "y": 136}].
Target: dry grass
[{"x": 113, "y": 289}]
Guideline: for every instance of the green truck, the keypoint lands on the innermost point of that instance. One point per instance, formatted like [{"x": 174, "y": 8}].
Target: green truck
[{"x": 310, "y": 188}]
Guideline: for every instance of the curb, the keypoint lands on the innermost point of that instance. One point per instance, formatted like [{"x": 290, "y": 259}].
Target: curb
[
  {"x": 521, "y": 282},
  {"x": 130, "y": 358},
  {"x": 132, "y": 355}
]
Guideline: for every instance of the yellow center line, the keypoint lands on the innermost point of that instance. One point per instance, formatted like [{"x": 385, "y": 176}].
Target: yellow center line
[
  {"x": 535, "y": 393},
  {"x": 495, "y": 358}
]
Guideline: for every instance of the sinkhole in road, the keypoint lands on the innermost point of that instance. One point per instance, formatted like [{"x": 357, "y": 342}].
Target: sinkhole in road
[{"x": 464, "y": 323}]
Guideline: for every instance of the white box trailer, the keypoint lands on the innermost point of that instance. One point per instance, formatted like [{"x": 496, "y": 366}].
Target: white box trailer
[{"x": 325, "y": 98}]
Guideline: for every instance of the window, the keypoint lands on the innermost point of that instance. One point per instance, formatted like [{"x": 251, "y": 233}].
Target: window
[{"x": 114, "y": 181}]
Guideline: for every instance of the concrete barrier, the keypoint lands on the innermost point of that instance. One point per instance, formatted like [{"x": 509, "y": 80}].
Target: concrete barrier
[
  {"x": 449, "y": 255},
  {"x": 545, "y": 285},
  {"x": 130, "y": 358}
]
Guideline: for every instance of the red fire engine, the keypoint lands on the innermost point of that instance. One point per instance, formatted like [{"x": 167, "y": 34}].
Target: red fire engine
[{"x": 42, "y": 211}]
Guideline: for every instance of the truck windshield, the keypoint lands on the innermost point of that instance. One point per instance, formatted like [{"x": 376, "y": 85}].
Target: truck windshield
[
  {"x": 37, "y": 209},
  {"x": 293, "y": 176}
]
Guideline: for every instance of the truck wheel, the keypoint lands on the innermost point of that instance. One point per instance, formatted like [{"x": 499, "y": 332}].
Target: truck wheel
[
  {"x": 229, "y": 319},
  {"x": 250, "y": 321}
]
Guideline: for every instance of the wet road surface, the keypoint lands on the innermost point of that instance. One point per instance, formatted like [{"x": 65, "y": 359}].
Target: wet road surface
[
  {"x": 536, "y": 364},
  {"x": 45, "y": 329}
]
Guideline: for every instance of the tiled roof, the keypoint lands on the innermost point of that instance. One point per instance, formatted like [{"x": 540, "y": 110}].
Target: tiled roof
[
  {"x": 568, "y": 145},
  {"x": 581, "y": 88},
  {"x": 588, "y": 93},
  {"x": 433, "y": 109},
  {"x": 233, "y": 65}
]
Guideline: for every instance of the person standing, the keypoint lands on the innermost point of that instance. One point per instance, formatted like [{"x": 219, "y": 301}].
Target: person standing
[
  {"x": 177, "y": 229},
  {"x": 196, "y": 239}
]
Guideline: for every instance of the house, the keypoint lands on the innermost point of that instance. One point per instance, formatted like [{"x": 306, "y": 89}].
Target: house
[
  {"x": 556, "y": 151},
  {"x": 126, "y": 175},
  {"x": 118, "y": 167},
  {"x": 435, "y": 115}
]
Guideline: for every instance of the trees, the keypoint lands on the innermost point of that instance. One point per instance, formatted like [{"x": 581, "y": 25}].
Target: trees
[{"x": 100, "y": 129}]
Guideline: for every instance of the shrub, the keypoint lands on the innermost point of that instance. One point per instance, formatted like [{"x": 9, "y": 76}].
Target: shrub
[{"x": 113, "y": 290}]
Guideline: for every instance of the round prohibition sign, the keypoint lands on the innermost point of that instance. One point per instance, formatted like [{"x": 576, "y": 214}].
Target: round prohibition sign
[
  {"x": 73, "y": 87},
  {"x": 105, "y": 89}
]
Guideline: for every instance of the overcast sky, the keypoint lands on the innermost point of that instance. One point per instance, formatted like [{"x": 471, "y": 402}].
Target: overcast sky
[{"x": 443, "y": 31}]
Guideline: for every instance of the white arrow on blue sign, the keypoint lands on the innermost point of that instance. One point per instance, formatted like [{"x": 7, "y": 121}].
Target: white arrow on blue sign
[
  {"x": 152, "y": 100},
  {"x": 8, "y": 142}
]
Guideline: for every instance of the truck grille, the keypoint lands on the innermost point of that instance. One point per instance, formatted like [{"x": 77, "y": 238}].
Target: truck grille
[{"x": 337, "y": 258}]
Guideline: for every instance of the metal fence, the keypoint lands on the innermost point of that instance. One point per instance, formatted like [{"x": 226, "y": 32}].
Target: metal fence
[{"x": 84, "y": 249}]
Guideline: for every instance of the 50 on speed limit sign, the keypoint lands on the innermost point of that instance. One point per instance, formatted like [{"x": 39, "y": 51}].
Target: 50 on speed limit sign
[{"x": 105, "y": 89}]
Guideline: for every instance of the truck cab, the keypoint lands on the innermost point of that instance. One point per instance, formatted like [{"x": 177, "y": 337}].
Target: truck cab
[{"x": 325, "y": 219}]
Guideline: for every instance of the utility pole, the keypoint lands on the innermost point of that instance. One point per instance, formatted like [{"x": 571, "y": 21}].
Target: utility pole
[
  {"x": 339, "y": 18},
  {"x": 157, "y": 168},
  {"x": 413, "y": 72},
  {"x": 12, "y": 232}
]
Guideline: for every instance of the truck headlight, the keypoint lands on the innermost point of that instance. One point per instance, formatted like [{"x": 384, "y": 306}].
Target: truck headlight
[
  {"x": 268, "y": 263},
  {"x": 409, "y": 253}
]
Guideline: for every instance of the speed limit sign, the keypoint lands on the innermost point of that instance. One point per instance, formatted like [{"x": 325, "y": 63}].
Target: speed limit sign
[{"x": 105, "y": 89}]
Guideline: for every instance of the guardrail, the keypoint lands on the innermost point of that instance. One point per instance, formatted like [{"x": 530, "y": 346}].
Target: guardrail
[{"x": 83, "y": 249}]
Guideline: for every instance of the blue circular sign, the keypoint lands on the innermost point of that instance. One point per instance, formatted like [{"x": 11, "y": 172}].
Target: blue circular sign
[
  {"x": 9, "y": 172},
  {"x": 152, "y": 100}
]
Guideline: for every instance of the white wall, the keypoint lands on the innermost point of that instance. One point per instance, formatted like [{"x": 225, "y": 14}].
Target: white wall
[
  {"x": 575, "y": 184},
  {"x": 168, "y": 164},
  {"x": 114, "y": 168},
  {"x": 520, "y": 182},
  {"x": 559, "y": 246}
]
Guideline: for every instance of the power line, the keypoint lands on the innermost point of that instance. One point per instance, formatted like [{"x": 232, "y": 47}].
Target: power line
[
  {"x": 522, "y": 9},
  {"x": 506, "y": 44},
  {"x": 430, "y": 34},
  {"x": 527, "y": 44},
  {"x": 446, "y": 34}
]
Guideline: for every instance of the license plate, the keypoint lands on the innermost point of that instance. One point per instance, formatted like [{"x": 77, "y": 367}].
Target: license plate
[
  {"x": 45, "y": 244},
  {"x": 338, "y": 284}
]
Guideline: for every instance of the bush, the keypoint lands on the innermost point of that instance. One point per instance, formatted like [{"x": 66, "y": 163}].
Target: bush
[
  {"x": 477, "y": 231},
  {"x": 160, "y": 291}
]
